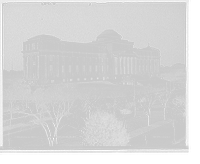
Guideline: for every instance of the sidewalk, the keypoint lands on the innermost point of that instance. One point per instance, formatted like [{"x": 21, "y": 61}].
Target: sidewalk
[{"x": 160, "y": 137}]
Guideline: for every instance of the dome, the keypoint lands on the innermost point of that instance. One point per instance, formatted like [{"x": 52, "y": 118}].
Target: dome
[{"x": 109, "y": 35}]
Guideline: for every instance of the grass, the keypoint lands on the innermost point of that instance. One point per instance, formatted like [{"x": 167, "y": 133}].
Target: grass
[
  {"x": 105, "y": 86},
  {"x": 139, "y": 131}
]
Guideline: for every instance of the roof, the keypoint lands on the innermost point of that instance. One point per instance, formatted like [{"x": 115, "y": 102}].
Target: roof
[
  {"x": 110, "y": 35},
  {"x": 44, "y": 37},
  {"x": 148, "y": 48}
]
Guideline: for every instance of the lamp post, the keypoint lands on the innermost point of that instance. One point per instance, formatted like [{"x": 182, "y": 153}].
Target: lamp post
[{"x": 134, "y": 98}]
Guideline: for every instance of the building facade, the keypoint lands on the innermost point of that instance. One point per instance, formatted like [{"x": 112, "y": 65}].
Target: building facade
[{"x": 47, "y": 59}]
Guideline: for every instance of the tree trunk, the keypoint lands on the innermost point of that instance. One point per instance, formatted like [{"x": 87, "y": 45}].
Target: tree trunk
[
  {"x": 148, "y": 121},
  {"x": 164, "y": 114},
  {"x": 174, "y": 134}
]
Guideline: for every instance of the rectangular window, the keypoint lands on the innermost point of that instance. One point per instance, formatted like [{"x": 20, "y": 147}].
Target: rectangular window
[
  {"x": 70, "y": 68},
  {"x": 70, "y": 58},
  {"x": 90, "y": 68},
  {"x": 63, "y": 69},
  {"x": 77, "y": 68},
  {"x": 34, "y": 69},
  {"x": 96, "y": 68},
  {"x": 84, "y": 68},
  {"x": 51, "y": 68},
  {"x": 51, "y": 58}
]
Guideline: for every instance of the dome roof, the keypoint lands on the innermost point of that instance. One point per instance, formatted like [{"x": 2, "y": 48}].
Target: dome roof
[
  {"x": 44, "y": 38},
  {"x": 110, "y": 35}
]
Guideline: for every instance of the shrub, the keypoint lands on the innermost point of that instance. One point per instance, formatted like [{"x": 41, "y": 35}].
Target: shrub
[
  {"x": 103, "y": 129},
  {"x": 125, "y": 111}
]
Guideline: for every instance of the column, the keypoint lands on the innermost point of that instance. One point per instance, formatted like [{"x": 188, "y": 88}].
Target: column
[
  {"x": 122, "y": 66},
  {"x": 153, "y": 66},
  {"x": 130, "y": 68},
  {"x": 24, "y": 67},
  {"x": 131, "y": 65},
  {"x": 118, "y": 65},
  {"x": 125, "y": 65},
  {"x": 135, "y": 65},
  {"x": 31, "y": 66},
  {"x": 36, "y": 66}
]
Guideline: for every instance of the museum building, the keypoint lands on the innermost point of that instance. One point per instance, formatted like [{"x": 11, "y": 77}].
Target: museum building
[{"x": 48, "y": 59}]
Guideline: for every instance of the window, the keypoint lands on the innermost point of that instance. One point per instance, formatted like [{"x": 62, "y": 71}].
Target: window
[
  {"x": 84, "y": 68},
  {"x": 96, "y": 68},
  {"x": 63, "y": 69},
  {"x": 70, "y": 68},
  {"x": 51, "y": 68},
  {"x": 34, "y": 69},
  {"x": 90, "y": 68},
  {"x": 77, "y": 69},
  {"x": 51, "y": 58}
]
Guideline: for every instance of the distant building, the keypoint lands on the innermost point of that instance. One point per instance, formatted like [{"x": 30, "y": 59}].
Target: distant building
[{"x": 108, "y": 58}]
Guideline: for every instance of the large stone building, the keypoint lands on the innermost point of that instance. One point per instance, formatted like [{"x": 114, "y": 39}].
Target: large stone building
[{"x": 109, "y": 57}]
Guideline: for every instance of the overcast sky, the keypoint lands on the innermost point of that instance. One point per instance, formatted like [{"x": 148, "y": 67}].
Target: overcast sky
[{"x": 162, "y": 25}]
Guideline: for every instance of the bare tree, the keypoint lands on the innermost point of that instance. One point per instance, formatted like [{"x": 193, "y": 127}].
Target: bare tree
[
  {"x": 52, "y": 105},
  {"x": 145, "y": 133},
  {"x": 178, "y": 104},
  {"x": 147, "y": 101},
  {"x": 164, "y": 97},
  {"x": 89, "y": 98},
  {"x": 115, "y": 99}
]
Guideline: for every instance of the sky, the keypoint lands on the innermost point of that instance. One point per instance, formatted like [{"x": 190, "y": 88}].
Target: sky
[{"x": 161, "y": 25}]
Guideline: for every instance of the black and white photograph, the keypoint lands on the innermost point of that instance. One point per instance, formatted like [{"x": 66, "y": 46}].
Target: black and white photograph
[{"x": 88, "y": 76}]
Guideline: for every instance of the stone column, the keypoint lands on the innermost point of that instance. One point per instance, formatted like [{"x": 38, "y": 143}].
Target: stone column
[
  {"x": 31, "y": 66},
  {"x": 130, "y": 65},
  {"x": 36, "y": 65},
  {"x": 122, "y": 63},
  {"x": 125, "y": 65},
  {"x": 118, "y": 65}
]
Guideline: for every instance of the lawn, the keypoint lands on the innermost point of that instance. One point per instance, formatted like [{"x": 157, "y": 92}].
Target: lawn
[{"x": 105, "y": 86}]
